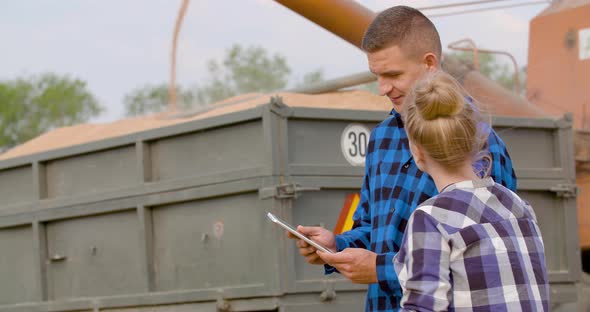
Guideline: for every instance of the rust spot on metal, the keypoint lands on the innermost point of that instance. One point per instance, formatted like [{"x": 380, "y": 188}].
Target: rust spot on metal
[{"x": 218, "y": 229}]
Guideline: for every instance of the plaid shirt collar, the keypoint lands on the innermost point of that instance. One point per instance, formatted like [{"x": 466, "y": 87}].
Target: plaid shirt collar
[{"x": 469, "y": 184}]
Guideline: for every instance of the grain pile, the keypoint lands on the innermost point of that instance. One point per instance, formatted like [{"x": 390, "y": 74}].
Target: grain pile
[{"x": 85, "y": 133}]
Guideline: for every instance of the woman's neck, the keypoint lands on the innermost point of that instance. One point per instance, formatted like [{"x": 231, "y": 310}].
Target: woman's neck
[{"x": 443, "y": 177}]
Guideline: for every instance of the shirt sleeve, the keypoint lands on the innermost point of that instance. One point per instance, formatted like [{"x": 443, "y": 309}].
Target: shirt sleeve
[
  {"x": 501, "y": 170},
  {"x": 423, "y": 266},
  {"x": 386, "y": 275},
  {"x": 360, "y": 234}
]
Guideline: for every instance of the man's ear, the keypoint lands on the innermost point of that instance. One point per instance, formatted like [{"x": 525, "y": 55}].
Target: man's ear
[{"x": 431, "y": 61}]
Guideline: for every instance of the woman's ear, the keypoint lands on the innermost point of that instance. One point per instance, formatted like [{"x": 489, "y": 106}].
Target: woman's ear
[{"x": 418, "y": 154}]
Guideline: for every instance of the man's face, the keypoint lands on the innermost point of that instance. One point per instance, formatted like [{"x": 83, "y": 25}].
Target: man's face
[{"x": 396, "y": 73}]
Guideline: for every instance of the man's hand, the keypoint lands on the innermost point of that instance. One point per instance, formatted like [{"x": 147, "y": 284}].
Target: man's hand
[
  {"x": 356, "y": 264},
  {"x": 316, "y": 234}
]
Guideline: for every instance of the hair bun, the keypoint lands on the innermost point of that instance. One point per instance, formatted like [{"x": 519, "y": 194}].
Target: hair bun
[
  {"x": 441, "y": 118},
  {"x": 438, "y": 97}
]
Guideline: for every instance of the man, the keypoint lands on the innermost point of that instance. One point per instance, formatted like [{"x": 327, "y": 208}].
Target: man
[{"x": 401, "y": 46}]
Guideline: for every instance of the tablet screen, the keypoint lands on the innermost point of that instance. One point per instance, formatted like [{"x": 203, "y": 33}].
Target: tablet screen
[{"x": 292, "y": 229}]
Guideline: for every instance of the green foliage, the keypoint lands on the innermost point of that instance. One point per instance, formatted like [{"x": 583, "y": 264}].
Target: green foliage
[
  {"x": 311, "y": 78},
  {"x": 31, "y": 106},
  {"x": 242, "y": 70},
  {"x": 491, "y": 67},
  {"x": 154, "y": 98}
]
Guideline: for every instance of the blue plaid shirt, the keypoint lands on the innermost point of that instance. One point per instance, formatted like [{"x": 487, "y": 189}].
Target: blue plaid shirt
[{"x": 393, "y": 187}]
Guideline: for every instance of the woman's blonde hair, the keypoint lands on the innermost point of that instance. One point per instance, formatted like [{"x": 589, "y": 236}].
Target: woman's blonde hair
[{"x": 445, "y": 122}]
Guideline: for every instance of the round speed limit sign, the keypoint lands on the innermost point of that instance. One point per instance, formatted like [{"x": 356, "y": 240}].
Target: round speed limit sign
[{"x": 354, "y": 141}]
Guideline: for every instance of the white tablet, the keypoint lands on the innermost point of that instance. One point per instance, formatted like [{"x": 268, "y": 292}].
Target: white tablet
[{"x": 292, "y": 229}]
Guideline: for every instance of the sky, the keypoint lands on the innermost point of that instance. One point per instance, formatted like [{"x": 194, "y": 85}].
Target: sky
[{"x": 119, "y": 45}]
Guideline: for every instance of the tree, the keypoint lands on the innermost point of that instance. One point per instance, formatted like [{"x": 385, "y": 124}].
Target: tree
[
  {"x": 31, "y": 106},
  {"x": 498, "y": 71},
  {"x": 242, "y": 70},
  {"x": 154, "y": 98},
  {"x": 311, "y": 78}
]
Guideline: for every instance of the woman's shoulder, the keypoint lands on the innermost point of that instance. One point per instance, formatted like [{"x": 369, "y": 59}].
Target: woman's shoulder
[
  {"x": 511, "y": 200},
  {"x": 450, "y": 208}
]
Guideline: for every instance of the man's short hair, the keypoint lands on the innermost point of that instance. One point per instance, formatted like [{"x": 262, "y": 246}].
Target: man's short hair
[{"x": 405, "y": 27}]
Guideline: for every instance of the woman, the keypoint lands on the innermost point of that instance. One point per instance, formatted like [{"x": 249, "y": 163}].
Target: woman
[{"x": 476, "y": 246}]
